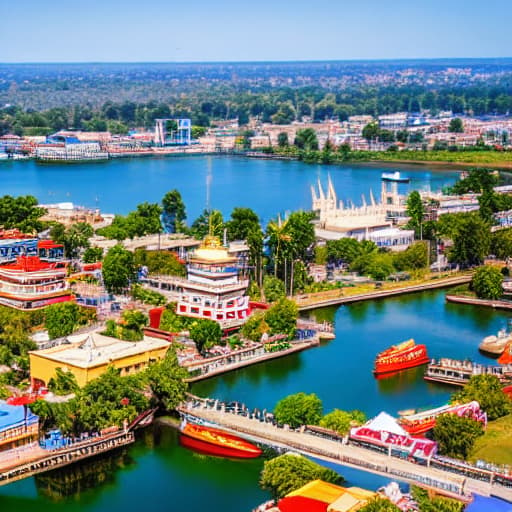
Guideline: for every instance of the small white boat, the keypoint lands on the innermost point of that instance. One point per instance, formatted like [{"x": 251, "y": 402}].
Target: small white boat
[{"x": 496, "y": 343}]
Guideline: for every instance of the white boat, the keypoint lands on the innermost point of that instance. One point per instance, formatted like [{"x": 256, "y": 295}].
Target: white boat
[{"x": 496, "y": 343}]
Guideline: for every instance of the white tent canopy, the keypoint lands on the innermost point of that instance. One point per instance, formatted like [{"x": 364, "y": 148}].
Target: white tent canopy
[{"x": 383, "y": 422}]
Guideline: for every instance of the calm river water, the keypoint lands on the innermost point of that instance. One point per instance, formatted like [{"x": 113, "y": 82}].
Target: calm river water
[
  {"x": 156, "y": 472},
  {"x": 266, "y": 186}
]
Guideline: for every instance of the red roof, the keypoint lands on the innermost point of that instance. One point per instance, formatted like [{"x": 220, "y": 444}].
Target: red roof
[
  {"x": 48, "y": 244},
  {"x": 28, "y": 264},
  {"x": 301, "y": 504}
]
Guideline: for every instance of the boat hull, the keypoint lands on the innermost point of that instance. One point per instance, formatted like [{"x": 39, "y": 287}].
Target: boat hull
[
  {"x": 383, "y": 369},
  {"x": 213, "y": 449},
  {"x": 216, "y": 442}
]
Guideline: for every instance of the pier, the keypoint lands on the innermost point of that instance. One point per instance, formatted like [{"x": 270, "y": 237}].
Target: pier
[
  {"x": 213, "y": 366},
  {"x": 24, "y": 464},
  {"x": 449, "y": 476},
  {"x": 458, "y": 373},
  {"x": 336, "y": 297}
]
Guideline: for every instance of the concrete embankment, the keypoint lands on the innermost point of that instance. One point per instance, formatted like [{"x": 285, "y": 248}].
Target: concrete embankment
[
  {"x": 497, "y": 304},
  {"x": 311, "y": 302}
]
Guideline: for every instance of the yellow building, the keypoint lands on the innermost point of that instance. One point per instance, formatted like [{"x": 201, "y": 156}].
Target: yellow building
[{"x": 89, "y": 355}]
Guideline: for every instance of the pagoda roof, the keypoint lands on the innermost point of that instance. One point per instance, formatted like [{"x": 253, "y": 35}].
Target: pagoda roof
[{"x": 211, "y": 251}]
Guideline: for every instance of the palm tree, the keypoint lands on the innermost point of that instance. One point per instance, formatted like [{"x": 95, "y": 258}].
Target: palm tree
[{"x": 277, "y": 237}]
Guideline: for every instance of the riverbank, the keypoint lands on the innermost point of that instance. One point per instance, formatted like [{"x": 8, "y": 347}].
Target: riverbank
[{"x": 356, "y": 294}]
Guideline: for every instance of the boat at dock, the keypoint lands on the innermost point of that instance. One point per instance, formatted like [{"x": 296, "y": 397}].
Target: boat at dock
[
  {"x": 495, "y": 344},
  {"x": 458, "y": 373},
  {"x": 420, "y": 422},
  {"x": 217, "y": 442},
  {"x": 400, "y": 357}
]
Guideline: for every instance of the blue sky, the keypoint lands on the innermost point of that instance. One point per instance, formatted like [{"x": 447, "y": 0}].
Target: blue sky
[{"x": 228, "y": 30}]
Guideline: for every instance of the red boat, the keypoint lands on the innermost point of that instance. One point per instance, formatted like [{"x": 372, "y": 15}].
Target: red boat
[
  {"x": 399, "y": 357},
  {"x": 217, "y": 442}
]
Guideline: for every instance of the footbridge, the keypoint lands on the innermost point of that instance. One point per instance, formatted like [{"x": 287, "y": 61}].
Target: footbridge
[{"x": 451, "y": 478}]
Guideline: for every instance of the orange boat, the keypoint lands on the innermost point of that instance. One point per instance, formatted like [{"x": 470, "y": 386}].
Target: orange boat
[
  {"x": 217, "y": 442},
  {"x": 399, "y": 357}
]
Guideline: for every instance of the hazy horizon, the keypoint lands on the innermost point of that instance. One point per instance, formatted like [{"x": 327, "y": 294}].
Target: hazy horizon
[{"x": 228, "y": 31}]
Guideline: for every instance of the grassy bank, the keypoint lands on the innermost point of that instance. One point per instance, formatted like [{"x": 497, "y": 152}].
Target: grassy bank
[
  {"x": 496, "y": 444},
  {"x": 461, "y": 157}
]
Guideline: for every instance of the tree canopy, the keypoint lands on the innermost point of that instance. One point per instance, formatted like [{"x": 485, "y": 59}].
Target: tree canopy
[
  {"x": 487, "y": 391},
  {"x": 299, "y": 409},
  {"x": 205, "y": 333},
  {"x": 118, "y": 269},
  {"x": 487, "y": 282},
  {"x": 174, "y": 213},
  {"x": 290, "y": 472},
  {"x": 456, "y": 435}
]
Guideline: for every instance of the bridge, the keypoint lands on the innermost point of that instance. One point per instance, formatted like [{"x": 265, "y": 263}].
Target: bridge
[{"x": 452, "y": 479}]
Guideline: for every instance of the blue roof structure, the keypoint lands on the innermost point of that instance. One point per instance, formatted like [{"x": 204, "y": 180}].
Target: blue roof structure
[
  {"x": 12, "y": 416},
  {"x": 485, "y": 504}
]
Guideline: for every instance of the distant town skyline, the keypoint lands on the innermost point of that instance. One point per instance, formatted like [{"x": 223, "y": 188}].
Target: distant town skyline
[{"x": 205, "y": 31}]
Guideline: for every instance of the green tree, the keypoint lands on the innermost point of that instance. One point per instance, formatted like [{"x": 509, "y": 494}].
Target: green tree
[
  {"x": 173, "y": 212},
  {"x": 471, "y": 241},
  {"x": 92, "y": 255},
  {"x": 21, "y": 212},
  {"x": 242, "y": 222},
  {"x": 456, "y": 125},
  {"x": 371, "y": 131},
  {"x": 306, "y": 139},
  {"x": 414, "y": 257},
  {"x": 206, "y": 334},
  {"x": 63, "y": 383},
  {"x": 299, "y": 409},
  {"x": 501, "y": 244},
  {"x": 166, "y": 381},
  {"x": 282, "y": 140},
  {"x": 348, "y": 249},
  {"x": 282, "y": 317},
  {"x": 273, "y": 288},
  {"x": 456, "y": 435},
  {"x": 487, "y": 281},
  {"x": 74, "y": 238},
  {"x": 118, "y": 269},
  {"x": 342, "y": 421},
  {"x": 416, "y": 212},
  {"x": 478, "y": 180},
  {"x": 487, "y": 391},
  {"x": 203, "y": 226},
  {"x": 290, "y": 472},
  {"x": 376, "y": 265},
  {"x": 61, "y": 319},
  {"x": 379, "y": 504},
  {"x": 255, "y": 326},
  {"x": 438, "y": 504},
  {"x": 159, "y": 262}
]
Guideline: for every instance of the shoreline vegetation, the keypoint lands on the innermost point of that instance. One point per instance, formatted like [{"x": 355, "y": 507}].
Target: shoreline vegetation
[{"x": 343, "y": 155}]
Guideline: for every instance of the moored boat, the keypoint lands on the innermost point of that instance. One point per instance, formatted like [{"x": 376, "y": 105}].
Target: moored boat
[
  {"x": 495, "y": 344},
  {"x": 399, "y": 357},
  {"x": 214, "y": 441},
  {"x": 421, "y": 422}
]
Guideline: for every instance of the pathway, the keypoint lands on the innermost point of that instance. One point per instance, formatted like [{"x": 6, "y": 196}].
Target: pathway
[{"x": 345, "y": 454}]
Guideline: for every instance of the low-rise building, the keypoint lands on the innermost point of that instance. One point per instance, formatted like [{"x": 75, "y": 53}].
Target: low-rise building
[{"x": 89, "y": 355}]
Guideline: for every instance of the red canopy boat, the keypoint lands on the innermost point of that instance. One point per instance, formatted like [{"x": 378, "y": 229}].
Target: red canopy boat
[
  {"x": 399, "y": 357},
  {"x": 214, "y": 441}
]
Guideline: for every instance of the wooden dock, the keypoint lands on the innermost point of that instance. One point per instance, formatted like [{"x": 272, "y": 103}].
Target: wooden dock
[
  {"x": 313, "y": 301},
  {"x": 36, "y": 461},
  {"x": 458, "y": 373},
  {"x": 436, "y": 474}
]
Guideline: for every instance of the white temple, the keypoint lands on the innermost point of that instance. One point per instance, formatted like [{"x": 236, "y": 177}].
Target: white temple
[{"x": 371, "y": 221}]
